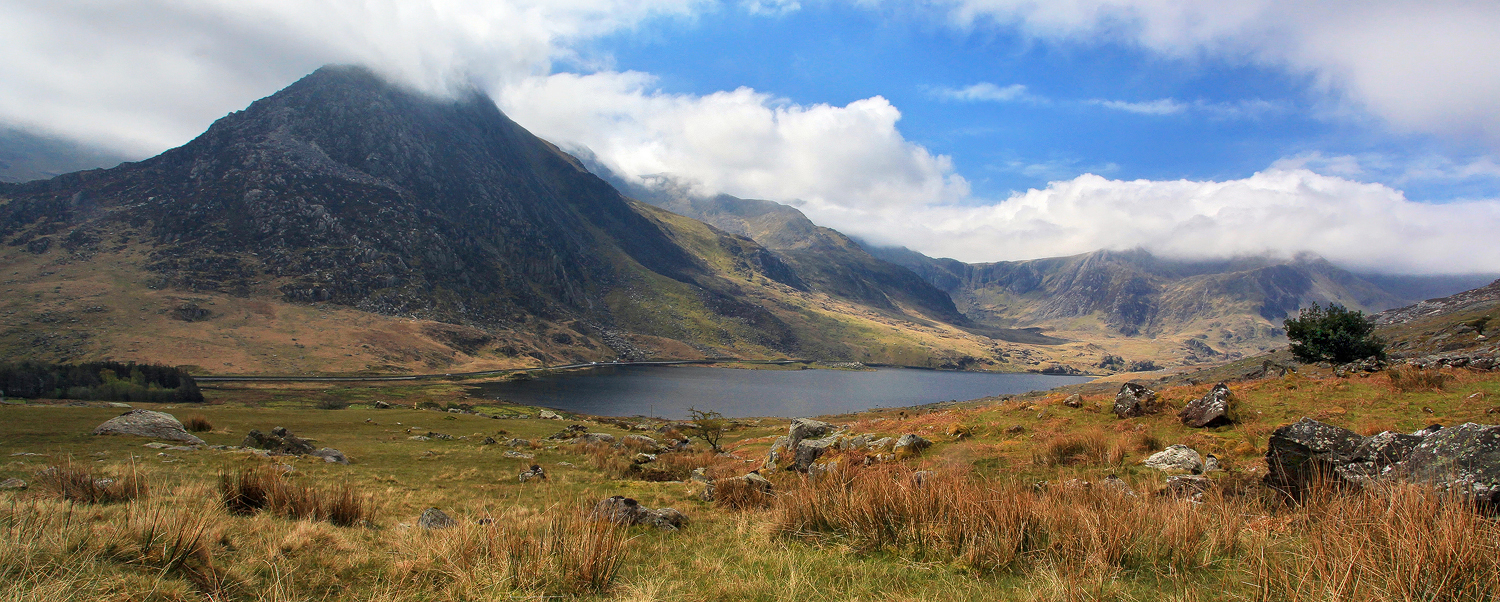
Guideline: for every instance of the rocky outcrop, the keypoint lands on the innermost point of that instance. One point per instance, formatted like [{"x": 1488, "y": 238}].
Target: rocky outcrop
[
  {"x": 1463, "y": 459},
  {"x": 1178, "y": 459},
  {"x": 806, "y": 428},
  {"x": 622, "y": 510},
  {"x": 146, "y": 423},
  {"x": 1134, "y": 400},
  {"x": 1213, "y": 409},
  {"x": 809, "y": 450},
  {"x": 278, "y": 441}
]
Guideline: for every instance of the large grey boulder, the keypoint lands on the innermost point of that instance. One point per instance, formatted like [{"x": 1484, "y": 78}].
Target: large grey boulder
[
  {"x": 809, "y": 450},
  {"x": 622, "y": 510},
  {"x": 1463, "y": 459},
  {"x": 278, "y": 441},
  {"x": 1177, "y": 459},
  {"x": 1307, "y": 452},
  {"x": 806, "y": 428},
  {"x": 1212, "y": 409},
  {"x": 1134, "y": 400},
  {"x": 330, "y": 455},
  {"x": 146, "y": 423}
]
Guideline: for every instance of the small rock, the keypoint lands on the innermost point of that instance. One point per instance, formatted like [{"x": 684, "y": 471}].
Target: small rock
[
  {"x": 549, "y": 415},
  {"x": 12, "y": 485},
  {"x": 518, "y": 455},
  {"x": 489, "y": 441},
  {"x": 381, "y": 405},
  {"x": 1074, "y": 401},
  {"x": 1176, "y": 458},
  {"x": 622, "y": 510},
  {"x": 279, "y": 440},
  {"x": 1211, "y": 463},
  {"x": 420, "y": 438},
  {"x": 330, "y": 455},
  {"x": 433, "y": 519},
  {"x": 533, "y": 473},
  {"x": 1188, "y": 486}
]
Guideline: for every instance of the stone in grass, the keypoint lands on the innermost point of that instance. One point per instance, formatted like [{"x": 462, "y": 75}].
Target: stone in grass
[
  {"x": 1177, "y": 459},
  {"x": 622, "y": 510},
  {"x": 911, "y": 445},
  {"x": 433, "y": 519},
  {"x": 1134, "y": 400},
  {"x": 1213, "y": 409},
  {"x": 279, "y": 441},
  {"x": 330, "y": 455},
  {"x": 146, "y": 423},
  {"x": 12, "y": 485}
]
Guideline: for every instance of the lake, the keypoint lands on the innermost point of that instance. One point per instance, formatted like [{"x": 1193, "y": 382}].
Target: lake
[{"x": 668, "y": 392}]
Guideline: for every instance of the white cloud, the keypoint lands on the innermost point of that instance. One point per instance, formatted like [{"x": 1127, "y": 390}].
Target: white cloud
[
  {"x": 774, "y": 8},
  {"x": 145, "y": 75},
  {"x": 1277, "y": 211},
  {"x": 743, "y": 142},
  {"x": 1165, "y": 106},
  {"x": 1422, "y": 65},
  {"x": 986, "y": 92}
]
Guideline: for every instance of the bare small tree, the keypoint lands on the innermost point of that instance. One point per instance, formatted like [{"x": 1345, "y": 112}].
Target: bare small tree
[{"x": 709, "y": 426}]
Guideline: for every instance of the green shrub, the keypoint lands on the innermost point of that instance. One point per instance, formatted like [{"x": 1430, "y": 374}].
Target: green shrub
[{"x": 1334, "y": 334}]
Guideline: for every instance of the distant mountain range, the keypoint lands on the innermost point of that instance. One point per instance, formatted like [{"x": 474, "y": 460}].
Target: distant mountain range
[
  {"x": 25, "y": 156},
  {"x": 346, "y": 224}
]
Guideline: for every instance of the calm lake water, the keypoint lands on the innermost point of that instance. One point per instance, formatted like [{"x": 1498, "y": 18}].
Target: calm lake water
[{"x": 668, "y": 392}]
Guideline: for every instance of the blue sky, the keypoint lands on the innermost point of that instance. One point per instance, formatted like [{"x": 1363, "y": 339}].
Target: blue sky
[
  {"x": 1366, "y": 131},
  {"x": 1089, "y": 106}
]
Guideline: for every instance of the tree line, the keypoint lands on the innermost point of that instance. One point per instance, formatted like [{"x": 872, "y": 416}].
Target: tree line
[{"x": 98, "y": 381}]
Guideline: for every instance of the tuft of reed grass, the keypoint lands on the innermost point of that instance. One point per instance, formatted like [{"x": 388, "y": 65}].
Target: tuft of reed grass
[
  {"x": 81, "y": 485},
  {"x": 1408, "y": 379},
  {"x": 198, "y": 423},
  {"x": 567, "y": 554},
  {"x": 261, "y": 488},
  {"x": 742, "y": 494},
  {"x": 1083, "y": 448}
]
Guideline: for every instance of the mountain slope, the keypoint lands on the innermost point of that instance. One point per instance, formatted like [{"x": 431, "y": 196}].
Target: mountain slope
[
  {"x": 440, "y": 219},
  {"x": 1197, "y": 310}
]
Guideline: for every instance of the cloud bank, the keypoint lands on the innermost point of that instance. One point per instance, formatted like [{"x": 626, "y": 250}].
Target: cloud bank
[{"x": 1422, "y": 65}]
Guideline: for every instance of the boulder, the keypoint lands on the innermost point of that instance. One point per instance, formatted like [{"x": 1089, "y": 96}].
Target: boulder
[
  {"x": 433, "y": 519},
  {"x": 280, "y": 441},
  {"x": 548, "y": 415},
  {"x": 1212, "y": 409},
  {"x": 330, "y": 455},
  {"x": 1074, "y": 401},
  {"x": 1306, "y": 452},
  {"x": 1134, "y": 400},
  {"x": 1463, "y": 459},
  {"x": 381, "y": 405},
  {"x": 12, "y": 485},
  {"x": 806, "y": 428},
  {"x": 146, "y": 423},
  {"x": 595, "y": 438},
  {"x": 911, "y": 445},
  {"x": 1177, "y": 459},
  {"x": 622, "y": 510},
  {"x": 809, "y": 450}
]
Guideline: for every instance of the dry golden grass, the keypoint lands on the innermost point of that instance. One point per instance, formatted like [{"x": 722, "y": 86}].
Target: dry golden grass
[
  {"x": 198, "y": 423},
  {"x": 1407, "y": 379},
  {"x": 263, "y": 488},
  {"x": 79, "y": 484}
]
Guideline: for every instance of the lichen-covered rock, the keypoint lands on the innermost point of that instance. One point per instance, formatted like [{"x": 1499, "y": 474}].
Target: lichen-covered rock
[
  {"x": 1307, "y": 452},
  {"x": 1074, "y": 401},
  {"x": 1463, "y": 459},
  {"x": 146, "y": 423},
  {"x": 534, "y": 473},
  {"x": 1213, "y": 409},
  {"x": 1177, "y": 459},
  {"x": 1134, "y": 400},
  {"x": 12, "y": 485}
]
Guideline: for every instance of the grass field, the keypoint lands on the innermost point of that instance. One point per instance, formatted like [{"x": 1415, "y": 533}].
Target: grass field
[{"x": 976, "y": 528}]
